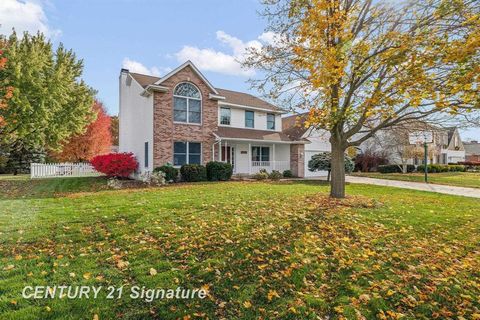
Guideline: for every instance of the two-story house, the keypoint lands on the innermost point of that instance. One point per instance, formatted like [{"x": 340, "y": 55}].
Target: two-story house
[{"x": 181, "y": 118}]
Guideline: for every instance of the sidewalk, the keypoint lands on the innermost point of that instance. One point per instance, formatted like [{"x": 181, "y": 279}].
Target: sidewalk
[{"x": 457, "y": 191}]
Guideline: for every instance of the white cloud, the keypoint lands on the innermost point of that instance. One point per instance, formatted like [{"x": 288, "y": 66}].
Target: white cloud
[
  {"x": 209, "y": 59},
  {"x": 24, "y": 16},
  {"x": 138, "y": 67},
  {"x": 269, "y": 37}
]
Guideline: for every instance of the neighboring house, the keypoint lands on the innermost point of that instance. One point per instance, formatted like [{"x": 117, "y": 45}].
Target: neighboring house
[
  {"x": 181, "y": 118},
  {"x": 472, "y": 151},
  {"x": 294, "y": 127},
  {"x": 447, "y": 146}
]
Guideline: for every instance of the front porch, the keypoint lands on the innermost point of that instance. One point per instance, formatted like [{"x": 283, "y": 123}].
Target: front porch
[{"x": 249, "y": 157}]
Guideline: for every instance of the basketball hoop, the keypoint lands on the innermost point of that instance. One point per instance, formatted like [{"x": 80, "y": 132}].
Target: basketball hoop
[{"x": 422, "y": 137}]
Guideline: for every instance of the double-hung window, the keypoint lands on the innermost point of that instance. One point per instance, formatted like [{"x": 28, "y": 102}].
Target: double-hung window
[
  {"x": 187, "y": 104},
  {"x": 260, "y": 154},
  {"x": 249, "y": 119},
  {"x": 187, "y": 153},
  {"x": 225, "y": 116},
  {"x": 270, "y": 121}
]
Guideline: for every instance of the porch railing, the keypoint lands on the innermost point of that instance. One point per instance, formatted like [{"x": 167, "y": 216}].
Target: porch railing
[{"x": 270, "y": 165}]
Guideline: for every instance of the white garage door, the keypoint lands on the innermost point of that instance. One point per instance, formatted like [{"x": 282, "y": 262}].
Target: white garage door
[{"x": 308, "y": 173}]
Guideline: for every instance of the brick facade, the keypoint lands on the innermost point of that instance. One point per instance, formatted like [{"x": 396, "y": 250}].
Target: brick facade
[
  {"x": 297, "y": 160},
  {"x": 165, "y": 131}
]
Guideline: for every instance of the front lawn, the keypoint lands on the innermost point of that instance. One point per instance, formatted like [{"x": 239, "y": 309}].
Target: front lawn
[
  {"x": 261, "y": 250},
  {"x": 460, "y": 179}
]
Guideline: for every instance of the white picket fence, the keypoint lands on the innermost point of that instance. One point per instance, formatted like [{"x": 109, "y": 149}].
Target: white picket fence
[{"x": 56, "y": 170}]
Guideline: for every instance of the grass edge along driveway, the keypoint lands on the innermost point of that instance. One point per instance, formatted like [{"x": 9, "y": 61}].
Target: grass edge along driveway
[{"x": 459, "y": 179}]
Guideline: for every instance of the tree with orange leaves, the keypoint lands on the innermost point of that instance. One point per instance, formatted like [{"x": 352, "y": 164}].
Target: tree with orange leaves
[
  {"x": 96, "y": 140},
  {"x": 360, "y": 66}
]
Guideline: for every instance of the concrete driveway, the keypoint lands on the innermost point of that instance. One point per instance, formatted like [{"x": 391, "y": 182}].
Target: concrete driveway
[{"x": 457, "y": 191}]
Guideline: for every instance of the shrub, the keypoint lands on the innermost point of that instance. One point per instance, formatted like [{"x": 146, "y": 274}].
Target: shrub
[
  {"x": 155, "y": 178},
  {"x": 219, "y": 171},
  {"x": 322, "y": 161},
  {"x": 119, "y": 165},
  {"x": 261, "y": 175},
  {"x": 275, "y": 175},
  {"x": 193, "y": 172},
  {"x": 369, "y": 161},
  {"x": 456, "y": 168},
  {"x": 438, "y": 168},
  {"x": 287, "y": 174},
  {"x": 394, "y": 168},
  {"x": 114, "y": 183},
  {"x": 171, "y": 173}
]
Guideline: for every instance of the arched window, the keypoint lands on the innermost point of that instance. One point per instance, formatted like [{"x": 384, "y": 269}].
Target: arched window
[{"x": 187, "y": 103}]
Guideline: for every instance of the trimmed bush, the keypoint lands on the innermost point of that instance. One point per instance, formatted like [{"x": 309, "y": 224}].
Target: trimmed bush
[
  {"x": 193, "y": 172},
  {"x": 456, "y": 168},
  {"x": 262, "y": 175},
  {"x": 119, "y": 165},
  {"x": 275, "y": 175},
  {"x": 394, "y": 168},
  {"x": 438, "y": 168},
  {"x": 287, "y": 174},
  {"x": 219, "y": 171},
  {"x": 171, "y": 173}
]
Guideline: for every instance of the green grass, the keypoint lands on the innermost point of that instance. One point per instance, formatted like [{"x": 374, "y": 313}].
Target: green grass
[
  {"x": 460, "y": 179},
  {"x": 263, "y": 250},
  {"x": 21, "y": 186}
]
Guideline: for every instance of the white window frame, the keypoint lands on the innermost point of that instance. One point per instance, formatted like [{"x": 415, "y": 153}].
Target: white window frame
[
  {"x": 261, "y": 146},
  {"x": 230, "y": 117},
  {"x": 187, "y": 152},
  {"x": 188, "y": 105},
  {"x": 245, "y": 119},
  {"x": 274, "y": 121}
]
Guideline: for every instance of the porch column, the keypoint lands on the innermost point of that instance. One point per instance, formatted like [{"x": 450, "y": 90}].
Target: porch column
[
  {"x": 249, "y": 158},
  {"x": 220, "y": 150},
  {"x": 273, "y": 155},
  {"x": 226, "y": 148}
]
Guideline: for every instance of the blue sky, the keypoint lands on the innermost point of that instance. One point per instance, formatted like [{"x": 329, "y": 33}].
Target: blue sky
[{"x": 148, "y": 36}]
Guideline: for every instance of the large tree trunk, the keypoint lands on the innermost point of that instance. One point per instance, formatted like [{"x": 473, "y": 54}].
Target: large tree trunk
[{"x": 337, "y": 184}]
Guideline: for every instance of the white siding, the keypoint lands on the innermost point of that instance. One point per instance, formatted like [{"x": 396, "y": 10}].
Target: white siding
[
  {"x": 260, "y": 121},
  {"x": 319, "y": 142},
  {"x": 135, "y": 121}
]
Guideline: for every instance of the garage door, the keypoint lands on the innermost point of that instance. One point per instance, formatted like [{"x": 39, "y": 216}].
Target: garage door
[{"x": 308, "y": 173}]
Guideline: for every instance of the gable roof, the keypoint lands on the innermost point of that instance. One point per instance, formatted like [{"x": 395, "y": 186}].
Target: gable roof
[
  {"x": 246, "y": 99},
  {"x": 231, "y": 97},
  {"x": 294, "y": 125},
  {"x": 188, "y": 63}
]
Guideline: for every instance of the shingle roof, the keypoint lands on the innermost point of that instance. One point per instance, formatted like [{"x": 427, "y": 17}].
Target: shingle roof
[
  {"x": 472, "y": 149},
  {"x": 251, "y": 134},
  {"x": 293, "y": 126},
  {"x": 245, "y": 99},
  {"x": 234, "y": 97},
  {"x": 143, "y": 79}
]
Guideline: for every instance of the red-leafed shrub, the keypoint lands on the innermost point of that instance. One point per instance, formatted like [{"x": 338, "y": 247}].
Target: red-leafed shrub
[{"x": 119, "y": 165}]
